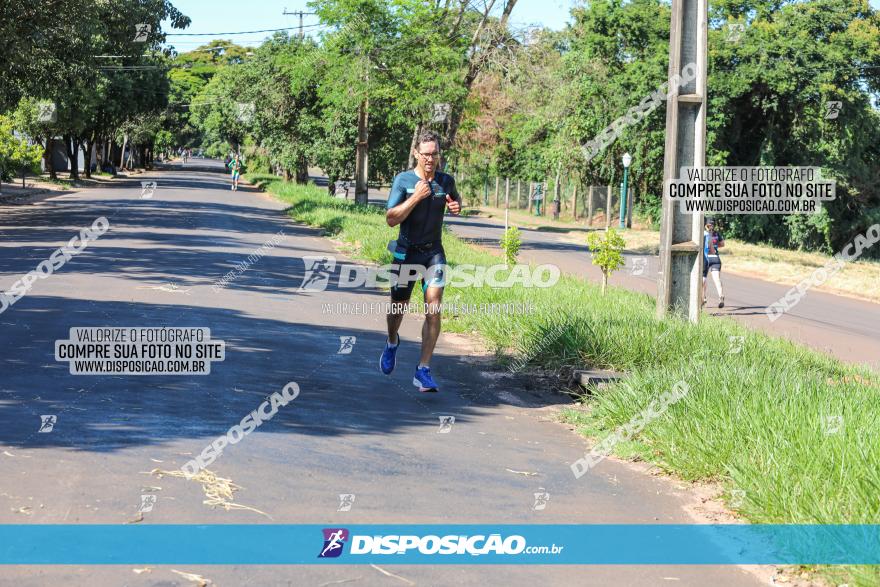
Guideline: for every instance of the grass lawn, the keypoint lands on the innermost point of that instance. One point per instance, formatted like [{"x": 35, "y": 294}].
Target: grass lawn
[
  {"x": 857, "y": 279},
  {"x": 797, "y": 431}
]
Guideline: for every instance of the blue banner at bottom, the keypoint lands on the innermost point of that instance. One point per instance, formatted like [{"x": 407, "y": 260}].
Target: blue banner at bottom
[{"x": 619, "y": 544}]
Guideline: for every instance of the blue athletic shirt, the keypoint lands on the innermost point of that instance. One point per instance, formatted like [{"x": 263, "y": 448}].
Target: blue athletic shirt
[
  {"x": 425, "y": 223},
  {"x": 716, "y": 237}
]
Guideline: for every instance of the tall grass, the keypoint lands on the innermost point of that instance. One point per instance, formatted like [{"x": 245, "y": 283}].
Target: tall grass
[{"x": 754, "y": 419}]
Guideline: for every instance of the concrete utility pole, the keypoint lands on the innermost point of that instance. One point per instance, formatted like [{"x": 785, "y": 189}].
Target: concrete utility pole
[
  {"x": 360, "y": 187},
  {"x": 681, "y": 235},
  {"x": 299, "y": 13}
]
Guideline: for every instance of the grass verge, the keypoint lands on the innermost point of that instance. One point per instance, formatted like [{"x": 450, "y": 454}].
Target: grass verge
[
  {"x": 857, "y": 279},
  {"x": 797, "y": 431}
]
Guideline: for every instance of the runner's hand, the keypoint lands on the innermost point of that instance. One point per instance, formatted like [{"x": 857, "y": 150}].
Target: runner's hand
[
  {"x": 423, "y": 190},
  {"x": 453, "y": 205}
]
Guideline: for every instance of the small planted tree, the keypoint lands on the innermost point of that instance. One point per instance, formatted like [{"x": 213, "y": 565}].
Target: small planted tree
[
  {"x": 16, "y": 154},
  {"x": 607, "y": 252},
  {"x": 510, "y": 243}
]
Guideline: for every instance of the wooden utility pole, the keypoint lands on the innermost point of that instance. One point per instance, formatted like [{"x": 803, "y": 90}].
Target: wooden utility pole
[
  {"x": 679, "y": 279},
  {"x": 506, "y": 201},
  {"x": 590, "y": 207},
  {"x": 608, "y": 207}
]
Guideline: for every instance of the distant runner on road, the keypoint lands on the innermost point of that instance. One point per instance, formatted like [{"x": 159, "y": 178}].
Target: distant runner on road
[
  {"x": 712, "y": 241},
  {"x": 418, "y": 200},
  {"x": 234, "y": 166}
]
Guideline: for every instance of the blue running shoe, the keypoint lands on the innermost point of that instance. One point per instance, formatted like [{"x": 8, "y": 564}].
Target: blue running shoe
[
  {"x": 423, "y": 380},
  {"x": 388, "y": 359}
]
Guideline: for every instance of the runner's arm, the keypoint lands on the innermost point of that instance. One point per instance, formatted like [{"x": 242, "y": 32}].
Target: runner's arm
[
  {"x": 399, "y": 206},
  {"x": 456, "y": 197}
]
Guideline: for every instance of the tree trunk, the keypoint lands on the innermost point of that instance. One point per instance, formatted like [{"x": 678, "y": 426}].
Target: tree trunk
[
  {"x": 476, "y": 61},
  {"x": 361, "y": 190},
  {"x": 302, "y": 171},
  {"x": 122, "y": 151},
  {"x": 72, "y": 156},
  {"x": 604, "y": 282},
  {"x": 332, "y": 178},
  {"x": 100, "y": 153},
  {"x": 47, "y": 155},
  {"x": 411, "y": 161},
  {"x": 87, "y": 167}
]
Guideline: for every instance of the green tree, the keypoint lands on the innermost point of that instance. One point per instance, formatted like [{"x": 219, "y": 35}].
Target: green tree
[
  {"x": 607, "y": 252},
  {"x": 16, "y": 154}
]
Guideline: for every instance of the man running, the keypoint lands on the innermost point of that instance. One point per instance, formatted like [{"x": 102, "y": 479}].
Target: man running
[
  {"x": 712, "y": 241},
  {"x": 418, "y": 200},
  {"x": 235, "y": 167}
]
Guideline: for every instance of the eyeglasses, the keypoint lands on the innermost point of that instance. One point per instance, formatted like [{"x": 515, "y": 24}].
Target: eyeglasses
[{"x": 434, "y": 155}]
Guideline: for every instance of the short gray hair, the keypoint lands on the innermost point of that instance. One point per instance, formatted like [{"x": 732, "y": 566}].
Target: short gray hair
[{"x": 428, "y": 136}]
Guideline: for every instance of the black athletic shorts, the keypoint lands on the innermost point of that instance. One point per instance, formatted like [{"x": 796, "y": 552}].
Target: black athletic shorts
[
  {"x": 432, "y": 257},
  {"x": 711, "y": 264}
]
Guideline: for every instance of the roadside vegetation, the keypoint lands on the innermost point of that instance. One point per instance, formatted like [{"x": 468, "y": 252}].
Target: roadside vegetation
[{"x": 795, "y": 430}]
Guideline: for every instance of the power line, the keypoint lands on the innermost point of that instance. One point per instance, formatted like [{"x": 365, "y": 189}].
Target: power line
[{"x": 238, "y": 32}]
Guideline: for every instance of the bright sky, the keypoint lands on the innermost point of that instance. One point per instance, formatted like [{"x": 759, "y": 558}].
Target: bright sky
[{"x": 210, "y": 16}]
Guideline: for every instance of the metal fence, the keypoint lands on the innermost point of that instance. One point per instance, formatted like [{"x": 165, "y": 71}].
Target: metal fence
[{"x": 596, "y": 205}]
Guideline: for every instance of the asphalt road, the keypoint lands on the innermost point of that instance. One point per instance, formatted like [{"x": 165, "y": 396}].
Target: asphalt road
[
  {"x": 352, "y": 430},
  {"x": 844, "y": 327}
]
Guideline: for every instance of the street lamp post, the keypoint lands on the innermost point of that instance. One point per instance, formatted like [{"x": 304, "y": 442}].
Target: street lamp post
[{"x": 627, "y": 161}]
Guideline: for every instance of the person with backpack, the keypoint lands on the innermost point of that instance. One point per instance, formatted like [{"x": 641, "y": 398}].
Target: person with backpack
[{"x": 712, "y": 241}]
